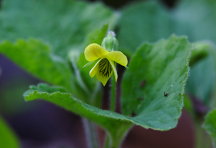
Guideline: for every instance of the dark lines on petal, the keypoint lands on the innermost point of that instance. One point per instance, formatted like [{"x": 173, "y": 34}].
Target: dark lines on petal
[{"x": 105, "y": 69}]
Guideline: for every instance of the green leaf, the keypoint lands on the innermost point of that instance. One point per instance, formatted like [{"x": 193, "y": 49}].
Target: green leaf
[
  {"x": 116, "y": 124},
  {"x": 141, "y": 22},
  {"x": 153, "y": 85},
  {"x": 158, "y": 112},
  {"x": 210, "y": 124},
  {"x": 63, "y": 24},
  {"x": 36, "y": 57},
  {"x": 149, "y": 21},
  {"x": 7, "y": 137},
  {"x": 61, "y": 97}
]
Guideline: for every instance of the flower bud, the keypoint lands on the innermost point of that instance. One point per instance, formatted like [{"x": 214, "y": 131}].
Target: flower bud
[
  {"x": 110, "y": 42},
  {"x": 200, "y": 51}
]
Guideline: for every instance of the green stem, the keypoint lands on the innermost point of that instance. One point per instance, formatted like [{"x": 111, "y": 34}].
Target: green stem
[
  {"x": 113, "y": 95},
  {"x": 90, "y": 134},
  {"x": 115, "y": 136},
  {"x": 202, "y": 140},
  {"x": 107, "y": 143},
  {"x": 79, "y": 77},
  {"x": 94, "y": 98},
  {"x": 111, "y": 143},
  {"x": 213, "y": 144}
]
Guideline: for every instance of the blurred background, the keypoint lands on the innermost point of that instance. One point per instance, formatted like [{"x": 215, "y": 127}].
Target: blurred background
[{"x": 43, "y": 125}]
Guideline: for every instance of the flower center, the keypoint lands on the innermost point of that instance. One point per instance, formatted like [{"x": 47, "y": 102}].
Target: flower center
[{"x": 105, "y": 69}]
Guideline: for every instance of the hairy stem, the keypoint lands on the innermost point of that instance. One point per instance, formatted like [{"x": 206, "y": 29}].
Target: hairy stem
[
  {"x": 106, "y": 97},
  {"x": 113, "y": 95},
  {"x": 114, "y": 138},
  {"x": 118, "y": 89},
  {"x": 202, "y": 139}
]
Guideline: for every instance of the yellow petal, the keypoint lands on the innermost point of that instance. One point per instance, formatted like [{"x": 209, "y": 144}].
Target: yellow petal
[
  {"x": 94, "y": 70},
  {"x": 102, "y": 79},
  {"x": 105, "y": 71},
  {"x": 114, "y": 70},
  {"x": 94, "y": 51},
  {"x": 118, "y": 57}
]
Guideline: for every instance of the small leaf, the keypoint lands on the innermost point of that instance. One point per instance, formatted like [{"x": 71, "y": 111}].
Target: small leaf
[
  {"x": 7, "y": 138},
  {"x": 210, "y": 124},
  {"x": 200, "y": 51}
]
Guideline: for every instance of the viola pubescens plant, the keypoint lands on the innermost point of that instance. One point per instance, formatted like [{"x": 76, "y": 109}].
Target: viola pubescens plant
[
  {"x": 156, "y": 111},
  {"x": 154, "y": 69}
]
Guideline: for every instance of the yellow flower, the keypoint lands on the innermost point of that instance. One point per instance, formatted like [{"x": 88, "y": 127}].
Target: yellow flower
[{"x": 105, "y": 66}]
